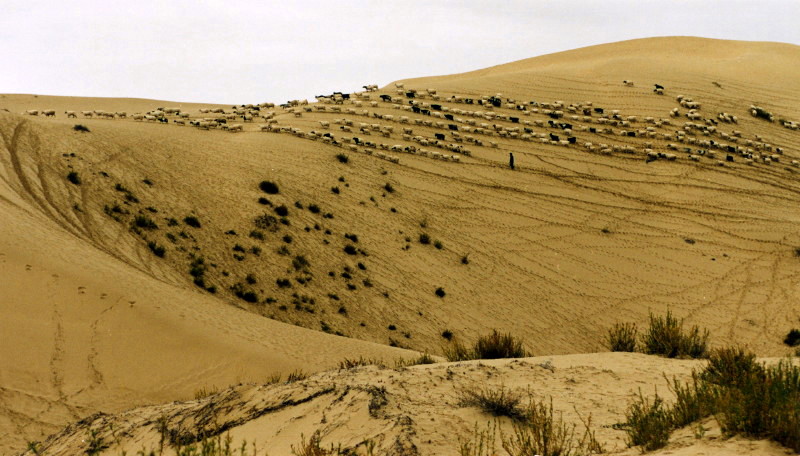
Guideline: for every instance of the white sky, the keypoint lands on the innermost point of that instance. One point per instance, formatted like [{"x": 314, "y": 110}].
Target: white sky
[{"x": 253, "y": 51}]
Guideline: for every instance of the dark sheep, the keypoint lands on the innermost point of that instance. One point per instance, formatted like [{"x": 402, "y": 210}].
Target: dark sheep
[
  {"x": 552, "y": 124},
  {"x": 514, "y": 119},
  {"x": 416, "y": 109},
  {"x": 386, "y": 98},
  {"x": 468, "y": 100},
  {"x": 439, "y": 136},
  {"x": 729, "y": 158},
  {"x": 436, "y": 107},
  {"x": 592, "y": 130},
  {"x": 448, "y": 117},
  {"x": 410, "y": 94},
  {"x": 452, "y": 127},
  {"x": 511, "y": 160},
  {"x": 632, "y": 134},
  {"x": 426, "y": 112},
  {"x": 598, "y": 110},
  {"x": 553, "y": 137},
  {"x": 659, "y": 86},
  {"x": 572, "y": 139},
  {"x": 587, "y": 112},
  {"x": 528, "y": 130}
]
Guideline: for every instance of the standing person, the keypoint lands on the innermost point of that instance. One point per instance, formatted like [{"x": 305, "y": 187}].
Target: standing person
[{"x": 511, "y": 160}]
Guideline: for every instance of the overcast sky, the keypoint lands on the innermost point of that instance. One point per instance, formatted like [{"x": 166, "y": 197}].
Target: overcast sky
[{"x": 254, "y": 51}]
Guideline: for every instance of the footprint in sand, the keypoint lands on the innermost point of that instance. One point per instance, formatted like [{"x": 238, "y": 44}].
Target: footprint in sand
[
  {"x": 103, "y": 296},
  {"x": 81, "y": 290},
  {"x": 28, "y": 267}
]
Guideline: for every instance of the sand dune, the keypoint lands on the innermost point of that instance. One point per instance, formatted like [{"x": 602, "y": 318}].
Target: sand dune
[{"x": 570, "y": 242}]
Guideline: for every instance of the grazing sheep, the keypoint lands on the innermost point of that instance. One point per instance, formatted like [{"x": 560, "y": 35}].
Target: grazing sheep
[
  {"x": 49, "y": 113},
  {"x": 628, "y": 83},
  {"x": 71, "y": 114}
]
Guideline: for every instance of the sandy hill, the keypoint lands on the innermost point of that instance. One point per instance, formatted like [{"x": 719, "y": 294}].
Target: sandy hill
[{"x": 160, "y": 267}]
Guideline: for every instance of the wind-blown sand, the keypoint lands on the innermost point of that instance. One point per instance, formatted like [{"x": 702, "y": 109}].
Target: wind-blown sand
[{"x": 560, "y": 249}]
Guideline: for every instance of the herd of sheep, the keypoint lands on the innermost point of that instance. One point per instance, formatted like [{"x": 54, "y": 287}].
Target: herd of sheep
[{"x": 447, "y": 127}]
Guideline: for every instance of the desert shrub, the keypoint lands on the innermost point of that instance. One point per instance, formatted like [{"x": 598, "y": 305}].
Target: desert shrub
[
  {"x": 622, "y": 337},
  {"x": 447, "y": 334},
  {"x": 81, "y": 127},
  {"x": 268, "y": 187},
  {"x": 300, "y": 262},
  {"x": 145, "y": 222},
  {"x": 730, "y": 366},
  {"x": 172, "y": 222},
  {"x": 793, "y": 338},
  {"x": 251, "y": 279},
  {"x": 498, "y": 345},
  {"x": 298, "y": 204},
  {"x": 665, "y": 337},
  {"x": 648, "y": 424},
  {"x": 282, "y": 210},
  {"x": 349, "y": 363},
  {"x": 335, "y": 190},
  {"x": 389, "y": 188},
  {"x": 313, "y": 208},
  {"x": 693, "y": 401},
  {"x": 542, "y": 433},
  {"x": 256, "y": 234},
  {"x": 438, "y": 244},
  {"x": 352, "y": 237},
  {"x": 157, "y": 249},
  {"x": 241, "y": 292},
  {"x": 312, "y": 447},
  {"x": 266, "y": 222},
  {"x": 74, "y": 178},
  {"x": 494, "y": 401},
  {"x": 255, "y": 250},
  {"x": 264, "y": 201},
  {"x": 192, "y": 221},
  {"x": 350, "y": 249},
  {"x": 147, "y": 181},
  {"x": 283, "y": 283},
  {"x": 342, "y": 158},
  {"x": 424, "y": 239},
  {"x": 493, "y": 346},
  {"x": 465, "y": 259},
  {"x": 440, "y": 292},
  {"x": 287, "y": 239}
]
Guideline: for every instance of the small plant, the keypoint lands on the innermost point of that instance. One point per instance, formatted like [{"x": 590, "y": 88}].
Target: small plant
[
  {"x": 147, "y": 182},
  {"x": 342, "y": 158},
  {"x": 622, "y": 337},
  {"x": 389, "y": 188},
  {"x": 282, "y": 210},
  {"x": 264, "y": 201},
  {"x": 157, "y": 249},
  {"x": 465, "y": 259},
  {"x": 251, "y": 279},
  {"x": 256, "y": 234},
  {"x": 424, "y": 239},
  {"x": 665, "y": 337},
  {"x": 447, "y": 334},
  {"x": 440, "y": 292},
  {"x": 74, "y": 178},
  {"x": 298, "y": 204},
  {"x": 648, "y": 423},
  {"x": 172, "y": 222},
  {"x": 266, "y": 222},
  {"x": 335, "y": 190},
  {"x": 438, "y": 244},
  {"x": 313, "y": 208},
  {"x": 81, "y": 127},
  {"x": 350, "y": 249},
  {"x": 287, "y": 239},
  {"x": 494, "y": 401},
  {"x": 145, "y": 222},
  {"x": 793, "y": 338},
  {"x": 283, "y": 283},
  {"x": 300, "y": 262},
  {"x": 192, "y": 221},
  {"x": 493, "y": 346},
  {"x": 268, "y": 187}
]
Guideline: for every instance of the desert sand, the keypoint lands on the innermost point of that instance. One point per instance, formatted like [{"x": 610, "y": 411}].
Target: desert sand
[{"x": 570, "y": 242}]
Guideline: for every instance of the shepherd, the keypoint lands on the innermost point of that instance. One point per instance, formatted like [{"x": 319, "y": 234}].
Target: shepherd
[{"x": 511, "y": 161}]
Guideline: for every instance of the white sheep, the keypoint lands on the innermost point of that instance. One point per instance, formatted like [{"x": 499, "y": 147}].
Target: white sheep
[{"x": 71, "y": 114}]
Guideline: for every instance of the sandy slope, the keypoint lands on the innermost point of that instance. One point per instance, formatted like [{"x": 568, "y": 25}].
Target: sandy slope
[
  {"x": 413, "y": 410},
  {"x": 560, "y": 249}
]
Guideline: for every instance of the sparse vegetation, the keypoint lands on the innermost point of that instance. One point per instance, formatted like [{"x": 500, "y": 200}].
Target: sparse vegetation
[
  {"x": 144, "y": 222},
  {"x": 342, "y": 158},
  {"x": 648, "y": 423},
  {"x": 313, "y": 208},
  {"x": 424, "y": 239},
  {"x": 438, "y": 244},
  {"x": 350, "y": 249}
]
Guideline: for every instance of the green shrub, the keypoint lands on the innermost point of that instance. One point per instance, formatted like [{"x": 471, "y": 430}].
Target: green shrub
[
  {"x": 270, "y": 188},
  {"x": 665, "y": 337},
  {"x": 622, "y": 337},
  {"x": 648, "y": 424},
  {"x": 74, "y": 178}
]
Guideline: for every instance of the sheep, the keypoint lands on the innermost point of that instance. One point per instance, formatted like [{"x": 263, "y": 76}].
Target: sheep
[
  {"x": 86, "y": 113},
  {"x": 49, "y": 113},
  {"x": 628, "y": 83},
  {"x": 71, "y": 114},
  {"x": 180, "y": 122},
  {"x": 235, "y": 127}
]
